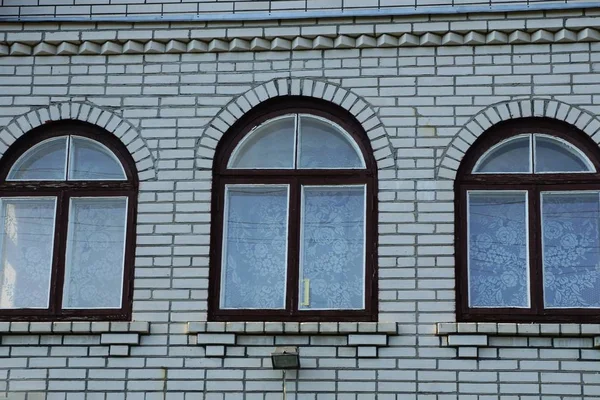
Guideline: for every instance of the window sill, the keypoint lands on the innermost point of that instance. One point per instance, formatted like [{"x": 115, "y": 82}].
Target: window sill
[
  {"x": 366, "y": 337},
  {"x": 118, "y": 336},
  {"x": 470, "y": 337}
]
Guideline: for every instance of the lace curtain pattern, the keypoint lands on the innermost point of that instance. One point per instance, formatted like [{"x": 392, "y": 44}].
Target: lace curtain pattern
[
  {"x": 255, "y": 252},
  {"x": 27, "y": 241},
  {"x": 571, "y": 241},
  {"x": 95, "y": 248},
  {"x": 333, "y": 240},
  {"x": 498, "y": 260}
]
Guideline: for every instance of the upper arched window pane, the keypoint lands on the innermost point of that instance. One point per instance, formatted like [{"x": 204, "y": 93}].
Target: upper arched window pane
[
  {"x": 325, "y": 145},
  {"x": 297, "y": 141},
  {"x": 45, "y": 161},
  {"x": 556, "y": 155},
  {"x": 67, "y": 158},
  {"x": 271, "y": 145},
  {"x": 90, "y": 160},
  {"x": 509, "y": 156},
  {"x": 533, "y": 152}
]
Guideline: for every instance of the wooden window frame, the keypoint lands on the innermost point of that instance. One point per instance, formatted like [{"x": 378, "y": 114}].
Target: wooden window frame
[
  {"x": 533, "y": 184},
  {"x": 63, "y": 191},
  {"x": 295, "y": 178}
]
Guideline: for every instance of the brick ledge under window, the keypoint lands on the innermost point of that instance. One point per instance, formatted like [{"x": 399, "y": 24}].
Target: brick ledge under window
[
  {"x": 469, "y": 337},
  {"x": 118, "y": 336},
  {"x": 367, "y": 337}
]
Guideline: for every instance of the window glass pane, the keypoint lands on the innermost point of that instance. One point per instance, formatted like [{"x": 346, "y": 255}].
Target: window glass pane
[
  {"x": 27, "y": 242},
  {"x": 332, "y": 259},
  {"x": 498, "y": 253},
  {"x": 510, "y": 156},
  {"x": 323, "y": 145},
  {"x": 91, "y": 160},
  {"x": 570, "y": 241},
  {"x": 44, "y": 161},
  {"x": 254, "y": 247},
  {"x": 271, "y": 145},
  {"x": 95, "y": 252},
  {"x": 553, "y": 155}
]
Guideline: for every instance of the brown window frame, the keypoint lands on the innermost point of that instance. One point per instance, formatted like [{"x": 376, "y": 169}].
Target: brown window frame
[
  {"x": 64, "y": 191},
  {"x": 533, "y": 184},
  {"x": 295, "y": 178}
]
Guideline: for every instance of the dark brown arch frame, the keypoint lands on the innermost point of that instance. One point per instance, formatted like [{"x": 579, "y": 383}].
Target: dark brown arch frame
[
  {"x": 63, "y": 191},
  {"x": 533, "y": 184},
  {"x": 295, "y": 178}
]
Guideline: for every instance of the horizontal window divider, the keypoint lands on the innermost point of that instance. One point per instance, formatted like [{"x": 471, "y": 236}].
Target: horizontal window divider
[{"x": 49, "y": 186}]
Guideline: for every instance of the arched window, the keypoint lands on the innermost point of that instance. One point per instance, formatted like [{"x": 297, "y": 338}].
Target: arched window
[
  {"x": 294, "y": 216},
  {"x": 528, "y": 225},
  {"x": 68, "y": 194}
]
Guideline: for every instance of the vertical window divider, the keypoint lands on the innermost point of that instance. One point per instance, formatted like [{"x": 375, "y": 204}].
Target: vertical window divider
[
  {"x": 62, "y": 223},
  {"x": 532, "y": 144},
  {"x": 296, "y": 140},
  {"x": 53, "y": 304},
  {"x": 293, "y": 270},
  {"x": 535, "y": 250},
  {"x": 68, "y": 158}
]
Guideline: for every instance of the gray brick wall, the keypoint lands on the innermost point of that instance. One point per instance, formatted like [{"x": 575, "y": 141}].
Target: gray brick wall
[
  {"x": 42, "y": 9},
  {"x": 169, "y": 91}
]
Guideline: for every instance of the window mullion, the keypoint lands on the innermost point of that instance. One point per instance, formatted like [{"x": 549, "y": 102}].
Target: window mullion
[
  {"x": 58, "y": 258},
  {"x": 536, "y": 288},
  {"x": 294, "y": 226}
]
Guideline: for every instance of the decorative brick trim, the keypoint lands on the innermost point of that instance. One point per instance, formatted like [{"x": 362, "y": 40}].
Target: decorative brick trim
[
  {"x": 84, "y": 111},
  {"x": 470, "y": 337},
  {"x": 117, "y": 336},
  {"x": 328, "y": 91},
  {"x": 454, "y": 153},
  {"x": 226, "y": 43},
  {"x": 366, "y": 337}
]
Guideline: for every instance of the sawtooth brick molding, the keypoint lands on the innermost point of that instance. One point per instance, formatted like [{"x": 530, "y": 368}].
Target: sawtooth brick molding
[
  {"x": 87, "y": 112},
  {"x": 363, "y": 338},
  {"x": 481, "y": 339},
  {"x": 114, "y": 338},
  {"x": 360, "y": 108},
  {"x": 491, "y": 115},
  {"x": 26, "y": 40}
]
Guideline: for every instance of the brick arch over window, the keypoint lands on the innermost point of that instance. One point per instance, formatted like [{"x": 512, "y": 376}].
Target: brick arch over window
[
  {"x": 87, "y": 112},
  {"x": 346, "y": 99},
  {"x": 452, "y": 157}
]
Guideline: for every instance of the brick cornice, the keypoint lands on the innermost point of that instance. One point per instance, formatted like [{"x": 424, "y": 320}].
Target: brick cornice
[{"x": 41, "y": 47}]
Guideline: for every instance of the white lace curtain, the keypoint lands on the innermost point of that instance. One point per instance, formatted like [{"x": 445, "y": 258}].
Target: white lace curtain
[
  {"x": 499, "y": 256},
  {"x": 254, "y": 271}
]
